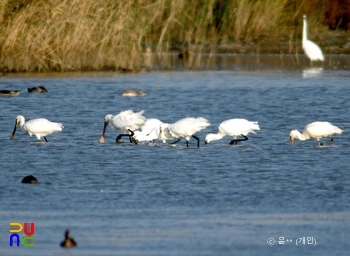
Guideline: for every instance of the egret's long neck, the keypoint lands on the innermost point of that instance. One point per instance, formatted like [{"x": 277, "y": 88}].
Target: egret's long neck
[{"x": 305, "y": 30}]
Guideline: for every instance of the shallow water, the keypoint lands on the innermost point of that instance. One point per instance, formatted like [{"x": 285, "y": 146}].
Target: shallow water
[{"x": 157, "y": 199}]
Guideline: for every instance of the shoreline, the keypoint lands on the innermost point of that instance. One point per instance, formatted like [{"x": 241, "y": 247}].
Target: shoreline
[{"x": 236, "y": 62}]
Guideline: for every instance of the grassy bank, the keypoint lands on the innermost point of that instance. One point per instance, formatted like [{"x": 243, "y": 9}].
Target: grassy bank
[{"x": 68, "y": 35}]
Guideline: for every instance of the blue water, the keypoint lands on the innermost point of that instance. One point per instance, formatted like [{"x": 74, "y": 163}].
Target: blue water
[{"x": 161, "y": 199}]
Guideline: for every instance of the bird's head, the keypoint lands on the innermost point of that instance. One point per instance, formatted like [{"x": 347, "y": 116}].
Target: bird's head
[
  {"x": 293, "y": 134},
  {"x": 208, "y": 138},
  {"x": 106, "y": 121},
  {"x": 19, "y": 121},
  {"x": 108, "y": 117}
]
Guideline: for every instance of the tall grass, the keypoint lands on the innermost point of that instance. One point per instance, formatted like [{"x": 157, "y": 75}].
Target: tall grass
[{"x": 61, "y": 35}]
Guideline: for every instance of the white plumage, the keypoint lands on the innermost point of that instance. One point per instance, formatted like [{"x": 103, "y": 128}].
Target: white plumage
[
  {"x": 184, "y": 128},
  {"x": 147, "y": 133},
  {"x": 312, "y": 50},
  {"x": 233, "y": 128},
  {"x": 125, "y": 121},
  {"x": 39, "y": 127},
  {"x": 315, "y": 130}
]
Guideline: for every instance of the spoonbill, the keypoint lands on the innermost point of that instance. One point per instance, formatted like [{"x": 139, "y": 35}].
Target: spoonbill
[
  {"x": 233, "y": 128},
  {"x": 39, "y": 127},
  {"x": 125, "y": 121},
  {"x": 68, "y": 240},
  {"x": 146, "y": 129},
  {"x": 184, "y": 128},
  {"x": 312, "y": 50},
  {"x": 160, "y": 133},
  {"x": 316, "y": 130},
  {"x": 132, "y": 93}
]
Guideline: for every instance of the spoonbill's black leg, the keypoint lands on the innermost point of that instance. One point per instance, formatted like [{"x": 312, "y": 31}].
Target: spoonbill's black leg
[
  {"x": 331, "y": 138},
  {"x": 118, "y": 139},
  {"x": 319, "y": 143},
  {"x": 175, "y": 141},
  {"x": 130, "y": 135},
  {"x": 236, "y": 141},
  {"x": 196, "y": 139},
  {"x": 45, "y": 138}
]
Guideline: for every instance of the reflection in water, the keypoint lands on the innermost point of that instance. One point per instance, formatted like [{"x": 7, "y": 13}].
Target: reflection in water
[
  {"x": 312, "y": 72},
  {"x": 246, "y": 62},
  {"x": 237, "y": 62}
]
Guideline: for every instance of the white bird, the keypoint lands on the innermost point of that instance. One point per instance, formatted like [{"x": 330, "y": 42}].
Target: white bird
[
  {"x": 146, "y": 130},
  {"x": 184, "y": 128},
  {"x": 39, "y": 127},
  {"x": 125, "y": 121},
  {"x": 316, "y": 130},
  {"x": 312, "y": 50},
  {"x": 233, "y": 128}
]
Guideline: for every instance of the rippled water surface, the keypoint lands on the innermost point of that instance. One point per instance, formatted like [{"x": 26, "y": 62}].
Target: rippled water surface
[{"x": 161, "y": 199}]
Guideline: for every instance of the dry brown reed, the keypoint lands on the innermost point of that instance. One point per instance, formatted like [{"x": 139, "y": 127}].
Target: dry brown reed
[{"x": 68, "y": 35}]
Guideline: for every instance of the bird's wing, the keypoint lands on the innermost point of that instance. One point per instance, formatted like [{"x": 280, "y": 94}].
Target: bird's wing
[{"x": 319, "y": 129}]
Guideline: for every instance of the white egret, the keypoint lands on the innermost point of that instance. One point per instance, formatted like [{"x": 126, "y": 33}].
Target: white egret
[
  {"x": 39, "y": 127},
  {"x": 132, "y": 93},
  {"x": 146, "y": 129},
  {"x": 184, "y": 128},
  {"x": 233, "y": 128},
  {"x": 125, "y": 121},
  {"x": 312, "y": 50},
  {"x": 316, "y": 130}
]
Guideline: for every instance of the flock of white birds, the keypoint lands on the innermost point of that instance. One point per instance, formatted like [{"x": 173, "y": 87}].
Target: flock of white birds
[{"x": 139, "y": 129}]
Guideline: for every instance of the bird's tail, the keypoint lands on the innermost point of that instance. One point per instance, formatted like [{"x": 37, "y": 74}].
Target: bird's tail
[
  {"x": 59, "y": 126},
  {"x": 337, "y": 130},
  {"x": 203, "y": 122}
]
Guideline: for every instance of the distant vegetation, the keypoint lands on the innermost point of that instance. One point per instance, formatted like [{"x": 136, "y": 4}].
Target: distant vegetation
[{"x": 69, "y": 35}]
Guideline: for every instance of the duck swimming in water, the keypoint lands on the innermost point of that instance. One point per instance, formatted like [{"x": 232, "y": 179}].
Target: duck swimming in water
[
  {"x": 29, "y": 179},
  {"x": 132, "y": 93},
  {"x": 38, "y": 89},
  {"x": 68, "y": 241},
  {"x": 9, "y": 92}
]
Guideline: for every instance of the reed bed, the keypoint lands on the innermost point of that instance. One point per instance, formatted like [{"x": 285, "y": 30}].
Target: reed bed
[{"x": 70, "y": 35}]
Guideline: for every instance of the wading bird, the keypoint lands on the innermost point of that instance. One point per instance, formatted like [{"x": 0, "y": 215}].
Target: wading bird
[
  {"x": 233, "y": 128},
  {"x": 315, "y": 130},
  {"x": 146, "y": 129},
  {"x": 125, "y": 121},
  {"x": 68, "y": 241},
  {"x": 184, "y": 128},
  {"x": 39, "y": 127},
  {"x": 312, "y": 50}
]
